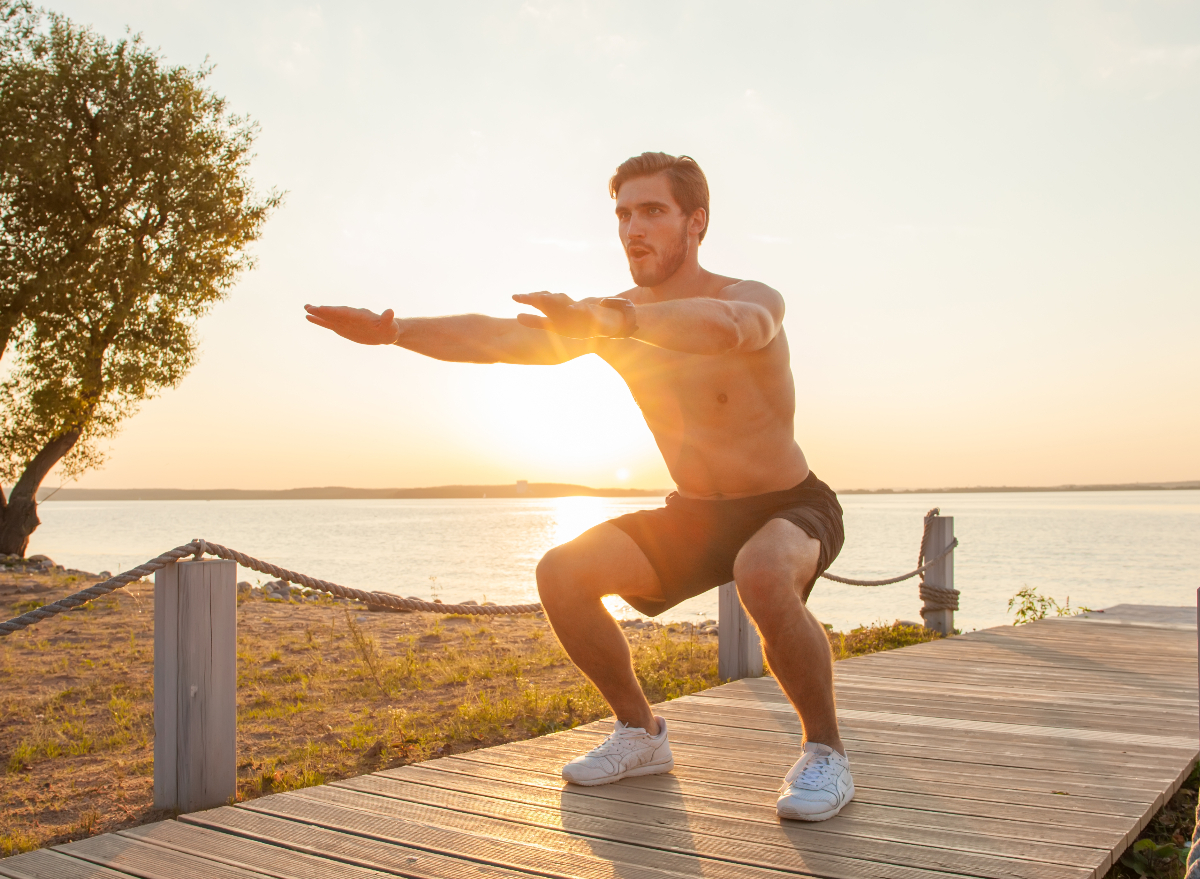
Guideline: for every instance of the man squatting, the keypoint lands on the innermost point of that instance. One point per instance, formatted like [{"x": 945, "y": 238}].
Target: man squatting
[{"x": 706, "y": 358}]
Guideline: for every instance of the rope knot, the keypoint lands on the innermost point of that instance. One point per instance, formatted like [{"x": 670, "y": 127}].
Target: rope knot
[{"x": 201, "y": 549}]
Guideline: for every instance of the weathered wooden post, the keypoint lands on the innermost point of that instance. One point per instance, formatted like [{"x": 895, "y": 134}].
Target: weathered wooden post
[
  {"x": 195, "y": 685},
  {"x": 739, "y": 652},
  {"x": 938, "y": 606}
]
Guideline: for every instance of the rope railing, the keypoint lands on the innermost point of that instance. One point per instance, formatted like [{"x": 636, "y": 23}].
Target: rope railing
[{"x": 935, "y": 597}]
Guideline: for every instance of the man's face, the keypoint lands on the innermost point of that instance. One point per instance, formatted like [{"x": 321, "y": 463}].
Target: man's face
[{"x": 654, "y": 229}]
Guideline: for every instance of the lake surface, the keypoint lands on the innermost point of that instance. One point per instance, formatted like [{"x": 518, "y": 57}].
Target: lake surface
[{"x": 1097, "y": 548}]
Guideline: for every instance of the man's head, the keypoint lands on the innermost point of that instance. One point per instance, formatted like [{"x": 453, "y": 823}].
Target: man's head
[{"x": 662, "y": 208}]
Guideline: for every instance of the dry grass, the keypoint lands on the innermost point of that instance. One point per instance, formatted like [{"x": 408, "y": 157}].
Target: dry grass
[{"x": 325, "y": 691}]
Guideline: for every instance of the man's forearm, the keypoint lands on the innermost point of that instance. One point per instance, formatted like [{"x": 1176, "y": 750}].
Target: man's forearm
[
  {"x": 462, "y": 338},
  {"x": 478, "y": 338}
]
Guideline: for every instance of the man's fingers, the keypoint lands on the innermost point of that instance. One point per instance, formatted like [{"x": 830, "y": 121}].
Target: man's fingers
[
  {"x": 313, "y": 319},
  {"x": 536, "y": 321}
]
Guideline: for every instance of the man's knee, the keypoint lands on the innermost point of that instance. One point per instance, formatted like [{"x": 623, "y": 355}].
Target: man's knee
[
  {"x": 560, "y": 575},
  {"x": 762, "y": 587}
]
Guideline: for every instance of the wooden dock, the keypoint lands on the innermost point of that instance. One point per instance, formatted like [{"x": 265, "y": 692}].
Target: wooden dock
[{"x": 1037, "y": 751}]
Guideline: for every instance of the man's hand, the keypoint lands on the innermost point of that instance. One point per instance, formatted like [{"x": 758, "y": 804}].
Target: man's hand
[
  {"x": 566, "y": 317},
  {"x": 356, "y": 324}
]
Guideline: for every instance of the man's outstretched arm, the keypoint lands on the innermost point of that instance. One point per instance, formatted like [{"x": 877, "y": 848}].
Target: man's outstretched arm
[
  {"x": 745, "y": 317},
  {"x": 462, "y": 338}
]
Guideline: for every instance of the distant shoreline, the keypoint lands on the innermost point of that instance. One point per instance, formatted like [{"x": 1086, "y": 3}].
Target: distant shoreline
[{"x": 511, "y": 491}]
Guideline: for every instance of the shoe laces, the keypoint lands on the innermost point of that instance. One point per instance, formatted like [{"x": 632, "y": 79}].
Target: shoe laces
[
  {"x": 811, "y": 772},
  {"x": 619, "y": 739}
]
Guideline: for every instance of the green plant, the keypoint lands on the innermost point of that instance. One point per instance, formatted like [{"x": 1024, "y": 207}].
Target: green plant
[
  {"x": 1031, "y": 606},
  {"x": 1155, "y": 860}
]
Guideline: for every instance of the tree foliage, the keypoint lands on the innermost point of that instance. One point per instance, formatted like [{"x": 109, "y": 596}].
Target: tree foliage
[{"x": 126, "y": 209}]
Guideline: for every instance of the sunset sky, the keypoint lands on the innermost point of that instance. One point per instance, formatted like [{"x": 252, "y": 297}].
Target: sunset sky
[{"x": 984, "y": 217}]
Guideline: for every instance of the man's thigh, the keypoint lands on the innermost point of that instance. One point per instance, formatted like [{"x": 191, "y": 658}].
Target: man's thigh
[
  {"x": 604, "y": 560},
  {"x": 779, "y": 552}
]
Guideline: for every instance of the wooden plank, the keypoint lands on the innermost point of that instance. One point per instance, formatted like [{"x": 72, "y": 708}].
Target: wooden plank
[
  {"x": 1053, "y": 824},
  {"x": 563, "y": 854},
  {"x": 707, "y": 828},
  {"x": 1170, "y": 736},
  {"x": 1006, "y": 821},
  {"x": 713, "y": 766},
  {"x": 548, "y": 841},
  {"x": 955, "y": 744},
  {"x": 1165, "y": 727},
  {"x": 283, "y": 848},
  {"x": 48, "y": 864},
  {"x": 1000, "y": 784},
  {"x": 150, "y": 862}
]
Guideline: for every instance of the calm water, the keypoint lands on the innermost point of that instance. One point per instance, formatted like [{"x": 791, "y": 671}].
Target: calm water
[{"x": 1098, "y": 548}]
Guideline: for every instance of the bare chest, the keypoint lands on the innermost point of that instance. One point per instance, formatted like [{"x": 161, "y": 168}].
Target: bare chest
[{"x": 707, "y": 390}]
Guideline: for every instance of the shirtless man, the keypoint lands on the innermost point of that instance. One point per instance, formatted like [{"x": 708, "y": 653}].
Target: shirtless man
[{"x": 706, "y": 359}]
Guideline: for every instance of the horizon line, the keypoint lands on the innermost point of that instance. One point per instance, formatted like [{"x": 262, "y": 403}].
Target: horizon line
[{"x": 525, "y": 489}]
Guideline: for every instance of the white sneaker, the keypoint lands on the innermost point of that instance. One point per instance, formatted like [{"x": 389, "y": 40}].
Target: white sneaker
[
  {"x": 817, "y": 786},
  {"x": 628, "y": 751}
]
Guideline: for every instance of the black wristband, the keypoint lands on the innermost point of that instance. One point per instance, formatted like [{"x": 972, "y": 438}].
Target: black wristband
[{"x": 628, "y": 314}]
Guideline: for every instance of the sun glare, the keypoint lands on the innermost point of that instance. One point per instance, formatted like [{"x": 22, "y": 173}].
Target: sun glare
[{"x": 574, "y": 515}]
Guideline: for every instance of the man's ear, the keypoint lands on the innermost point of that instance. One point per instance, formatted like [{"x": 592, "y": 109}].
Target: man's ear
[{"x": 697, "y": 221}]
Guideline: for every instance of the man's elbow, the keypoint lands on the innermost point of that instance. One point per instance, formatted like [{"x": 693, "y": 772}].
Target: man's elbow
[{"x": 744, "y": 338}]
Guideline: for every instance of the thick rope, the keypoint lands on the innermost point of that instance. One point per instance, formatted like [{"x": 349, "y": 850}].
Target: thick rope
[
  {"x": 888, "y": 582},
  {"x": 200, "y": 546},
  {"x": 110, "y": 585},
  {"x": 934, "y": 597}
]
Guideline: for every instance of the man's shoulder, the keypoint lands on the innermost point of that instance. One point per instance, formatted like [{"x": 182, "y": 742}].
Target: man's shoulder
[{"x": 743, "y": 288}]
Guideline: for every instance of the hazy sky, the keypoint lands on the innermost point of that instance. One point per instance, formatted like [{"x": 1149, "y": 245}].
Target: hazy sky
[{"x": 985, "y": 218}]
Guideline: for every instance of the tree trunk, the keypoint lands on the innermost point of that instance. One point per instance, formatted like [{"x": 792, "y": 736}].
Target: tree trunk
[{"x": 18, "y": 515}]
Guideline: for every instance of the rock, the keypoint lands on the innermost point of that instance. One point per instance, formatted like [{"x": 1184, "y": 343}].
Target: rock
[
  {"x": 632, "y": 624},
  {"x": 256, "y": 591},
  {"x": 464, "y": 603},
  {"x": 709, "y": 630},
  {"x": 105, "y": 575},
  {"x": 244, "y": 588},
  {"x": 39, "y": 560},
  {"x": 708, "y": 622}
]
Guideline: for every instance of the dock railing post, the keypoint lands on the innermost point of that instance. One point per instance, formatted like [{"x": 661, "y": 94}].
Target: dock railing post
[
  {"x": 938, "y": 536},
  {"x": 739, "y": 651},
  {"x": 195, "y": 685}
]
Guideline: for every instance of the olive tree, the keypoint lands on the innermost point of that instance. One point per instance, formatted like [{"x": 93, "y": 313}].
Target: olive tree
[{"x": 126, "y": 209}]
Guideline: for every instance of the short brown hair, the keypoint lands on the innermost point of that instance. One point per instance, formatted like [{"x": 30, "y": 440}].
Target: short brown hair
[{"x": 688, "y": 183}]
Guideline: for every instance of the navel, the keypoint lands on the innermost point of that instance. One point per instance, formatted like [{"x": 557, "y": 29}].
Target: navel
[{"x": 721, "y": 398}]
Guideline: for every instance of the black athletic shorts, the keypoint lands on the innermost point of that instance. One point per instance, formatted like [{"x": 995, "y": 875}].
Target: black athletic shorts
[{"x": 691, "y": 544}]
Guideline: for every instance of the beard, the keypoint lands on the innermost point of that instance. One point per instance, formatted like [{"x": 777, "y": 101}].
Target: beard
[{"x": 668, "y": 263}]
